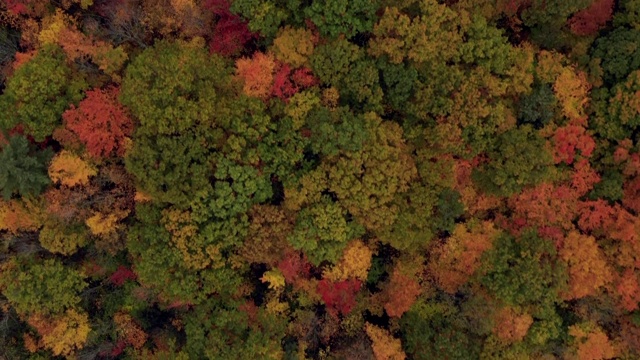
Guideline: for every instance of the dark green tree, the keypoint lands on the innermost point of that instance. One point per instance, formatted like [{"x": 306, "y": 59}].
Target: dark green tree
[
  {"x": 23, "y": 169},
  {"x": 519, "y": 158}
]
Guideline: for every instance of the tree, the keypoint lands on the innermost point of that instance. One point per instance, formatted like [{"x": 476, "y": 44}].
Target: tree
[
  {"x": 588, "y": 21},
  {"x": 335, "y": 17},
  {"x": 39, "y": 91},
  {"x": 572, "y": 90},
  {"x": 591, "y": 343},
  {"x": 322, "y": 231},
  {"x": 173, "y": 87},
  {"x": 538, "y": 107},
  {"x": 293, "y": 46},
  {"x": 339, "y": 297},
  {"x": 619, "y": 54},
  {"x": 23, "y": 170},
  {"x": 512, "y": 325},
  {"x": 457, "y": 260},
  {"x": 256, "y": 74},
  {"x": 385, "y": 346},
  {"x": 367, "y": 181},
  {"x": 430, "y": 37},
  {"x": 519, "y": 158},
  {"x": 64, "y": 334},
  {"x": 219, "y": 330},
  {"x": 401, "y": 292},
  {"x": 355, "y": 263},
  {"x": 570, "y": 138},
  {"x": 62, "y": 238},
  {"x": 70, "y": 170},
  {"x": 100, "y": 122},
  {"x": 523, "y": 271},
  {"x": 230, "y": 33},
  {"x": 587, "y": 267},
  {"x": 48, "y": 287}
]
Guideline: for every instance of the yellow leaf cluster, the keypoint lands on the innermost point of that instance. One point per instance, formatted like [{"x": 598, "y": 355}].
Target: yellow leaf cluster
[
  {"x": 184, "y": 236},
  {"x": 293, "y": 46},
  {"x": 16, "y": 216},
  {"x": 572, "y": 90},
  {"x": 355, "y": 263},
  {"x": 62, "y": 335},
  {"x": 549, "y": 65},
  {"x": 104, "y": 224},
  {"x": 274, "y": 278},
  {"x": 70, "y": 170},
  {"x": 53, "y": 26},
  {"x": 61, "y": 239},
  {"x": 385, "y": 346}
]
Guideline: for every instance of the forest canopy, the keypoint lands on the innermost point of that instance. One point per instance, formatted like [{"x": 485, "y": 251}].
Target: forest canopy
[{"x": 362, "y": 179}]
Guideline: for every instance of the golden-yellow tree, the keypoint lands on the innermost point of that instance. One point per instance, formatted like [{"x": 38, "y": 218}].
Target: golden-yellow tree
[{"x": 70, "y": 170}]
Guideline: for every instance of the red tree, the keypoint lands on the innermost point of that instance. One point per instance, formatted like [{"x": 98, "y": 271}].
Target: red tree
[
  {"x": 340, "y": 297},
  {"x": 230, "y": 33},
  {"x": 590, "y": 20},
  {"x": 100, "y": 122}
]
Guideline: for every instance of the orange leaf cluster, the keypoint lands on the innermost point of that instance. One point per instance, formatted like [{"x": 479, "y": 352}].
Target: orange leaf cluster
[
  {"x": 512, "y": 326},
  {"x": 257, "y": 74},
  {"x": 100, "y": 122},
  {"x": 129, "y": 330},
  {"x": 588, "y": 269},
  {"x": 455, "y": 261},
  {"x": 401, "y": 292},
  {"x": 592, "y": 343}
]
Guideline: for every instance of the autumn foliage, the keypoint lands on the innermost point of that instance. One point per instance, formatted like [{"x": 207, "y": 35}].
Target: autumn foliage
[
  {"x": 100, "y": 122},
  {"x": 336, "y": 179}
]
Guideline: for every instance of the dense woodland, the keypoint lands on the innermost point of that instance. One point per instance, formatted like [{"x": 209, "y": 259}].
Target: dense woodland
[{"x": 299, "y": 179}]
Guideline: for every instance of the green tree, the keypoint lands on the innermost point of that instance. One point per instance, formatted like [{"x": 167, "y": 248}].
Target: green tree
[
  {"x": 322, "y": 231},
  {"x": 47, "y": 287},
  {"x": 216, "y": 330},
  {"x": 619, "y": 52},
  {"x": 335, "y": 17},
  {"x": 39, "y": 91},
  {"x": 173, "y": 87},
  {"x": 524, "y": 270},
  {"x": 189, "y": 258},
  {"x": 23, "y": 169},
  {"x": 519, "y": 158}
]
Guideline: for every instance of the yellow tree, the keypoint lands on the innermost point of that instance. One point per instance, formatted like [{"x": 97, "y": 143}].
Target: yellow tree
[
  {"x": 385, "y": 346},
  {"x": 64, "y": 334},
  {"x": 70, "y": 170},
  {"x": 293, "y": 46},
  {"x": 355, "y": 263}
]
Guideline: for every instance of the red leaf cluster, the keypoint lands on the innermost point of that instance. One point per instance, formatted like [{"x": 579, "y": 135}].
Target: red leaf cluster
[
  {"x": 570, "y": 138},
  {"x": 294, "y": 266},
  {"x": 100, "y": 122},
  {"x": 230, "y": 33},
  {"x": 121, "y": 275},
  {"x": 340, "y": 297},
  {"x": 287, "y": 83},
  {"x": 590, "y": 20}
]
